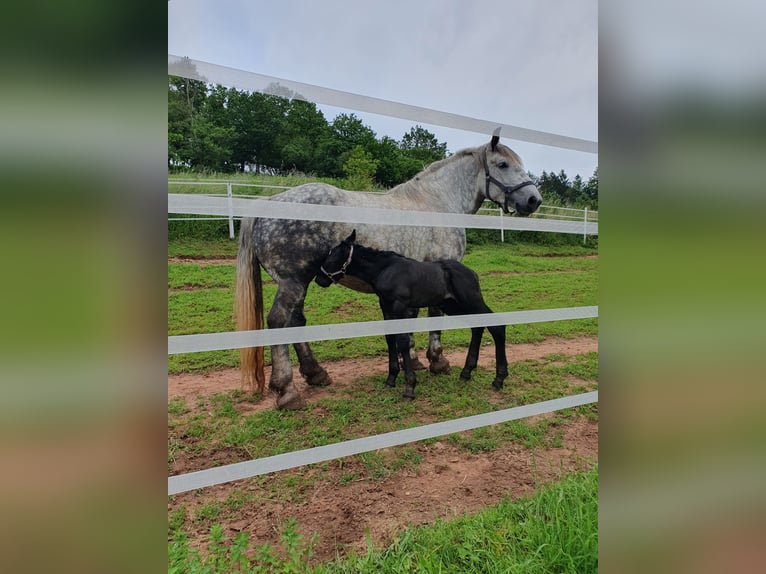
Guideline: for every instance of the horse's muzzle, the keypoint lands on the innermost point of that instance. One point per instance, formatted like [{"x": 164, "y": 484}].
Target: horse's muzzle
[{"x": 323, "y": 280}]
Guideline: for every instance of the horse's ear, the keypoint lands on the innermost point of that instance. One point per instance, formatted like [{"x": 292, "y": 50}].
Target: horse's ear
[
  {"x": 495, "y": 139},
  {"x": 351, "y": 238}
]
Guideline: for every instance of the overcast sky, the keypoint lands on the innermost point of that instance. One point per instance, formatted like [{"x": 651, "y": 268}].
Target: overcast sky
[{"x": 528, "y": 63}]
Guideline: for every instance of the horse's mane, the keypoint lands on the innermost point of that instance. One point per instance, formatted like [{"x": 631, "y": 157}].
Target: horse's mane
[
  {"x": 437, "y": 165},
  {"x": 364, "y": 250},
  {"x": 440, "y": 163}
]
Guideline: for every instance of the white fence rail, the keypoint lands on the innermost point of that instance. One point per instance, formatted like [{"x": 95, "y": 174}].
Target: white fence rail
[
  {"x": 178, "y": 344},
  {"x": 248, "y": 469},
  {"x": 236, "y": 207},
  {"x": 251, "y": 81},
  {"x": 229, "y": 207}
]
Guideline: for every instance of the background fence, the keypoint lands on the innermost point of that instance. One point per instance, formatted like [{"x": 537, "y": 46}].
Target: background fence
[
  {"x": 543, "y": 212},
  {"x": 229, "y": 207}
]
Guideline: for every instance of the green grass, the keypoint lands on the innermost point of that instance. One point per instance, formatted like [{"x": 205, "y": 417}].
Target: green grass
[
  {"x": 369, "y": 407},
  {"x": 193, "y": 275},
  {"x": 201, "y": 299},
  {"x": 289, "y": 180},
  {"x": 528, "y": 536},
  {"x": 555, "y": 530},
  {"x": 202, "y": 248}
]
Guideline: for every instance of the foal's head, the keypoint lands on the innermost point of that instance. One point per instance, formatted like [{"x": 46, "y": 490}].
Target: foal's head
[{"x": 338, "y": 259}]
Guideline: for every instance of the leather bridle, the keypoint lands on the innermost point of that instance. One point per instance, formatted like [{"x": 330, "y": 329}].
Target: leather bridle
[
  {"x": 342, "y": 271},
  {"x": 507, "y": 189}
]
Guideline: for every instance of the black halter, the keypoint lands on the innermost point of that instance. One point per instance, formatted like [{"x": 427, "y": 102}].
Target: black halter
[
  {"x": 507, "y": 189},
  {"x": 342, "y": 271}
]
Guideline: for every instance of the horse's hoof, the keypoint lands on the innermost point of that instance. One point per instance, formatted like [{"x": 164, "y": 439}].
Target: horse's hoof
[
  {"x": 319, "y": 379},
  {"x": 290, "y": 401},
  {"x": 439, "y": 366},
  {"x": 497, "y": 385},
  {"x": 391, "y": 382},
  {"x": 409, "y": 392},
  {"x": 465, "y": 375}
]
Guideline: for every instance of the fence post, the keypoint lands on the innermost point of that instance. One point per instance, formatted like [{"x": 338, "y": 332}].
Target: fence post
[
  {"x": 502, "y": 231},
  {"x": 585, "y": 227},
  {"x": 231, "y": 210}
]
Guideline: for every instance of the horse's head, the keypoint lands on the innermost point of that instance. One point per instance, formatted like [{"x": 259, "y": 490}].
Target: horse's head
[
  {"x": 338, "y": 259},
  {"x": 506, "y": 181}
]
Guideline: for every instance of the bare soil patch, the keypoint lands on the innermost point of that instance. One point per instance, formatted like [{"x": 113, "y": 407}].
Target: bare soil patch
[
  {"x": 191, "y": 385},
  {"x": 202, "y": 260},
  {"x": 343, "y": 511}
]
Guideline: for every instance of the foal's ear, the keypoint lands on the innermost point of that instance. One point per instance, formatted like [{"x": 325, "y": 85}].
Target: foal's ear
[
  {"x": 495, "y": 139},
  {"x": 351, "y": 238}
]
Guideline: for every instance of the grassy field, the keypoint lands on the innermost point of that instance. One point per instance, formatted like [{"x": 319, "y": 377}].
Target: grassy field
[
  {"x": 513, "y": 277},
  {"x": 555, "y": 531}
]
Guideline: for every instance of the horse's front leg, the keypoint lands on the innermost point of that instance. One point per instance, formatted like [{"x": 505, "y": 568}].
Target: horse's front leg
[
  {"x": 414, "y": 360},
  {"x": 472, "y": 358},
  {"x": 393, "y": 360},
  {"x": 501, "y": 360},
  {"x": 438, "y": 363}
]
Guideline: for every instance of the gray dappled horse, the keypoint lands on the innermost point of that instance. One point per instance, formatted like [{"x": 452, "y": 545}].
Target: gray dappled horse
[
  {"x": 291, "y": 251},
  {"x": 402, "y": 284}
]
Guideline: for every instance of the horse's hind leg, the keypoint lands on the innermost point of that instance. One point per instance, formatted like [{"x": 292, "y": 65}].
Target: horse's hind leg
[
  {"x": 288, "y": 298},
  {"x": 438, "y": 363},
  {"x": 314, "y": 374},
  {"x": 472, "y": 301}
]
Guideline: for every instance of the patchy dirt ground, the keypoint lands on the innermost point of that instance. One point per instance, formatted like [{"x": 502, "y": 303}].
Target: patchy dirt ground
[
  {"x": 447, "y": 482},
  {"x": 189, "y": 385}
]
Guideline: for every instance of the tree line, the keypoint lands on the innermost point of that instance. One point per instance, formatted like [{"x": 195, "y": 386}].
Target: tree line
[
  {"x": 214, "y": 128},
  {"x": 219, "y": 129}
]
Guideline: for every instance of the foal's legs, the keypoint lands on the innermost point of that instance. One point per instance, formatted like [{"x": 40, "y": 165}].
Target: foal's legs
[
  {"x": 393, "y": 360},
  {"x": 414, "y": 361},
  {"x": 472, "y": 358},
  {"x": 395, "y": 310},
  {"x": 473, "y": 302},
  {"x": 501, "y": 361}
]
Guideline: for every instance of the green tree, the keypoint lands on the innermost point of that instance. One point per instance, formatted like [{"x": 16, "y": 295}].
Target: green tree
[
  {"x": 590, "y": 191},
  {"x": 360, "y": 168},
  {"x": 210, "y": 146},
  {"x": 577, "y": 187},
  {"x": 304, "y": 128},
  {"x": 257, "y": 119},
  {"x": 185, "y": 100},
  {"x": 421, "y": 145},
  {"x": 393, "y": 166},
  {"x": 555, "y": 188},
  {"x": 346, "y": 132}
]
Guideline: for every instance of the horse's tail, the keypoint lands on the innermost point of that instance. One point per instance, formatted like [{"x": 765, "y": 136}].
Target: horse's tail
[{"x": 248, "y": 307}]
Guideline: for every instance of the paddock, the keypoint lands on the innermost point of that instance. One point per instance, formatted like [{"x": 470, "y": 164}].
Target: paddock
[{"x": 378, "y": 487}]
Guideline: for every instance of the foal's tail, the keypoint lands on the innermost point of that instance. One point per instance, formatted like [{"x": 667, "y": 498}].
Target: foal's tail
[{"x": 248, "y": 307}]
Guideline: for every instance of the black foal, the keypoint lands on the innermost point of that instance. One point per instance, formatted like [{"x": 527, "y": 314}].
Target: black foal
[{"x": 401, "y": 284}]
